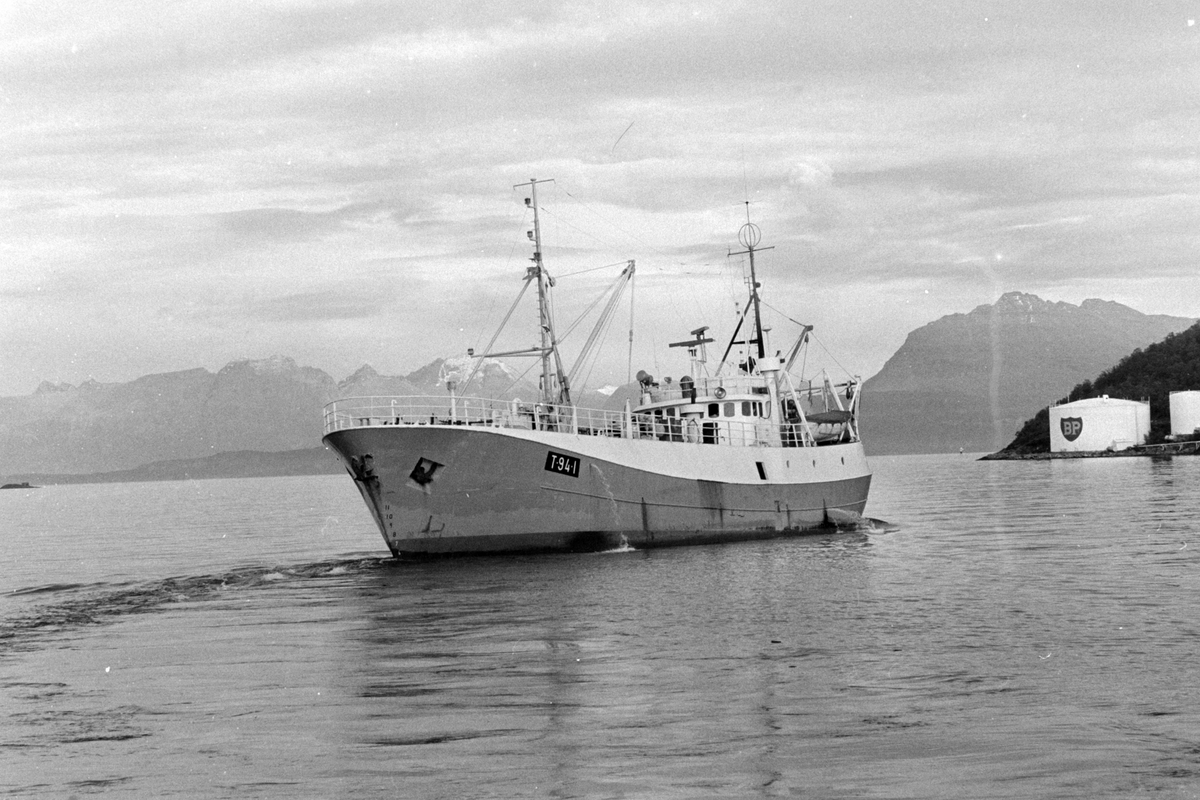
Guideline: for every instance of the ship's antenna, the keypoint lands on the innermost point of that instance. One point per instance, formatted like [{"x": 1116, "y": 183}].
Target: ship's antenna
[{"x": 749, "y": 236}]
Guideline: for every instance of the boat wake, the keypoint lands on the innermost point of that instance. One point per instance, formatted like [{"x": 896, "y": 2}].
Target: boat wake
[
  {"x": 59, "y": 607},
  {"x": 848, "y": 521},
  {"x": 29, "y": 614},
  {"x": 623, "y": 547}
]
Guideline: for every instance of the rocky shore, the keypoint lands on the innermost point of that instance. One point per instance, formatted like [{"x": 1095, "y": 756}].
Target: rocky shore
[{"x": 1166, "y": 449}]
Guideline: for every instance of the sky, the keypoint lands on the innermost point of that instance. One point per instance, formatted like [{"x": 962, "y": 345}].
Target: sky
[{"x": 187, "y": 184}]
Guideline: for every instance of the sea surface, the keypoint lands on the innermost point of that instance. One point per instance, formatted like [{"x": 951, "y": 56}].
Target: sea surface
[{"x": 1015, "y": 630}]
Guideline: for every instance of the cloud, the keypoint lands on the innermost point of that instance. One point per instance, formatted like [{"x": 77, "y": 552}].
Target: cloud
[
  {"x": 236, "y": 172},
  {"x": 321, "y": 305}
]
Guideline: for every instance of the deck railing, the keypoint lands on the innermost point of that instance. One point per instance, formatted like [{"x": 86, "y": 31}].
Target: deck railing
[{"x": 359, "y": 412}]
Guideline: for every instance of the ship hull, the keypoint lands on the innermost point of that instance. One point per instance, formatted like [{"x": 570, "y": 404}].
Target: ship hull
[{"x": 445, "y": 489}]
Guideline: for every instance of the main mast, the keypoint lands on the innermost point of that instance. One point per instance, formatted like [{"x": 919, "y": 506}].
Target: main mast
[
  {"x": 549, "y": 343},
  {"x": 749, "y": 236}
]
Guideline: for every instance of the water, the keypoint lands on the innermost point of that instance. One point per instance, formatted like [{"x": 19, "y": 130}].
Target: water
[{"x": 1026, "y": 630}]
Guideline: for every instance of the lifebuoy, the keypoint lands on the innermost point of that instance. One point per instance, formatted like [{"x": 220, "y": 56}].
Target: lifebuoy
[
  {"x": 720, "y": 393},
  {"x": 693, "y": 431}
]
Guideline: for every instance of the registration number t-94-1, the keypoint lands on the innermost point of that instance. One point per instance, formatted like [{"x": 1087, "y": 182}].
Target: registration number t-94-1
[{"x": 562, "y": 464}]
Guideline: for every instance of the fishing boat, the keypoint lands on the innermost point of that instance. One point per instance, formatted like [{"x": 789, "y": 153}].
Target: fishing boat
[{"x": 744, "y": 451}]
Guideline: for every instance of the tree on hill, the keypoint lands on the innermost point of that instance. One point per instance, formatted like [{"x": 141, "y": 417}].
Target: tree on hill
[{"x": 1171, "y": 365}]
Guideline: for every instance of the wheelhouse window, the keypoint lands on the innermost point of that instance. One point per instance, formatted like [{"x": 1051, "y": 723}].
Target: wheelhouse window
[
  {"x": 729, "y": 409},
  {"x": 714, "y": 409}
]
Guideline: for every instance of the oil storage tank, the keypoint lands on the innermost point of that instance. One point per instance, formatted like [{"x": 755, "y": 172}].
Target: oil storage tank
[
  {"x": 1185, "y": 413},
  {"x": 1098, "y": 423}
]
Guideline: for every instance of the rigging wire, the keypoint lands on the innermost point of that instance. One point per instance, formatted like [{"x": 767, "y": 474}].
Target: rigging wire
[
  {"x": 629, "y": 365},
  {"x": 496, "y": 335},
  {"x": 590, "y": 351},
  {"x": 559, "y": 220},
  {"x": 673, "y": 261},
  {"x": 585, "y": 312},
  {"x": 491, "y": 306},
  {"x": 591, "y": 362},
  {"x": 812, "y": 335},
  {"x": 829, "y": 353},
  {"x": 593, "y": 269},
  {"x": 520, "y": 377},
  {"x": 780, "y": 313},
  {"x": 614, "y": 225},
  {"x": 603, "y": 328}
]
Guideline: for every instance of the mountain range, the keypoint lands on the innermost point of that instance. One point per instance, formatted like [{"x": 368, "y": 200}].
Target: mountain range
[
  {"x": 970, "y": 380},
  {"x": 965, "y": 380},
  {"x": 268, "y": 405}
]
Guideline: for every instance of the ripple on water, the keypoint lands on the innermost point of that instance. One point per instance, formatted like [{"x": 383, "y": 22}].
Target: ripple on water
[{"x": 1017, "y": 631}]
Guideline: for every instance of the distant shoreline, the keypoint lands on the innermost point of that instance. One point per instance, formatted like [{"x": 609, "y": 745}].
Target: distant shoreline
[
  {"x": 1140, "y": 451},
  {"x": 235, "y": 464},
  {"x": 322, "y": 461}
]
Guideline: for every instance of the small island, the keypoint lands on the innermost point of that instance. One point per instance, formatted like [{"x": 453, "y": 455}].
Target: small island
[{"x": 18, "y": 486}]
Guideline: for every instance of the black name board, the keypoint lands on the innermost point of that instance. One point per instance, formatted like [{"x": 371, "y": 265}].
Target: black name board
[{"x": 562, "y": 464}]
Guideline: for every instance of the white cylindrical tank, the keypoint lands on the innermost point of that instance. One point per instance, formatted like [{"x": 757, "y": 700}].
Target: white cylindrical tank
[
  {"x": 1098, "y": 423},
  {"x": 1185, "y": 413}
]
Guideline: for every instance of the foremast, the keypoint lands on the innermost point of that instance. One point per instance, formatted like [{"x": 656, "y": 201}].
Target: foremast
[
  {"x": 555, "y": 385},
  {"x": 555, "y": 381}
]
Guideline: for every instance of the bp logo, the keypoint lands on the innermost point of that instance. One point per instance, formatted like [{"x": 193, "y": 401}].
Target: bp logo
[{"x": 1071, "y": 427}]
